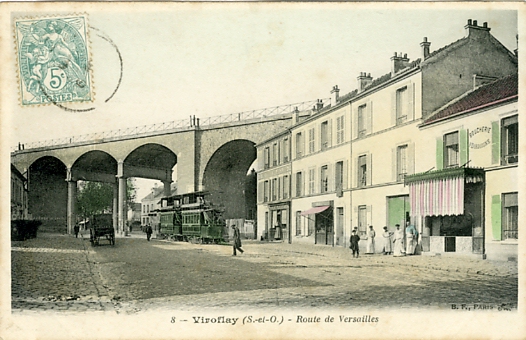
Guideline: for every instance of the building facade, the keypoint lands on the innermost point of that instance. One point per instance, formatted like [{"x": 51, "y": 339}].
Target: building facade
[
  {"x": 355, "y": 163},
  {"x": 273, "y": 188},
  {"x": 469, "y": 204},
  {"x": 18, "y": 195}
]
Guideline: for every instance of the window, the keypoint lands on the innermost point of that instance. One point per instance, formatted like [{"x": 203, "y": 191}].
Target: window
[
  {"x": 298, "y": 223},
  {"x": 299, "y": 184},
  {"x": 402, "y": 105},
  {"x": 362, "y": 129},
  {"x": 285, "y": 186},
  {"x": 324, "y": 179},
  {"x": 510, "y": 217},
  {"x": 286, "y": 150},
  {"x": 299, "y": 145},
  {"x": 274, "y": 189},
  {"x": 451, "y": 151},
  {"x": 362, "y": 220},
  {"x": 362, "y": 171},
  {"x": 311, "y": 181},
  {"x": 324, "y": 135},
  {"x": 510, "y": 140},
  {"x": 311, "y": 141},
  {"x": 338, "y": 178},
  {"x": 340, "y": 130},
  {"x": 401, "y": 162},
  {"x": 266, "y": 158},
  {"x": 265, "y": 191}
]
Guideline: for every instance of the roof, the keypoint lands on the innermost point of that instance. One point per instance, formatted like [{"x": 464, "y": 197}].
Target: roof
[{"x": 498, "y": 91}]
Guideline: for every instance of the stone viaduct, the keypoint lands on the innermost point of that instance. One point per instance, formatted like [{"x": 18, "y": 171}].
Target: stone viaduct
[{"x": 214, "y": 155}]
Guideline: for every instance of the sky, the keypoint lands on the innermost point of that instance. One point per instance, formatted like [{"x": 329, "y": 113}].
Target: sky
[{"x": 213, "y": 59}]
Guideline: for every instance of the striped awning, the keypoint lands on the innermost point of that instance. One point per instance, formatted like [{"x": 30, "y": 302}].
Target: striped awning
[
  {"x": 315, "y": 210},
  {"x": 440, "y": 192}
]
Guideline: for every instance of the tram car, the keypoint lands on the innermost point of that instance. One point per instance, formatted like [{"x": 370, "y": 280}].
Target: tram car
[
  {"x": 189, "y": 217},
  {"x": 170, "y": 218},
  {"x": 101, "y": 226}
]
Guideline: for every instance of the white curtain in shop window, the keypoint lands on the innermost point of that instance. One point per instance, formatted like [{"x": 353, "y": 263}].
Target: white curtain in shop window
[{"x": 437, "y": 197}]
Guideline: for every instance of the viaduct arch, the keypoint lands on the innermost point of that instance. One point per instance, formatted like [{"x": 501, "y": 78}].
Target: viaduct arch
[{"x": 215, "y": 157}]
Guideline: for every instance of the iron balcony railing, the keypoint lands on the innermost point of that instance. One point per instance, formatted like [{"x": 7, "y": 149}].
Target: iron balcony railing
[{"x": 183, "y": 124}]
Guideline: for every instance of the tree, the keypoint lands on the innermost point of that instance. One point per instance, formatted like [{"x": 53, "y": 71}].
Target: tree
[{"x": 97, "y": 198}]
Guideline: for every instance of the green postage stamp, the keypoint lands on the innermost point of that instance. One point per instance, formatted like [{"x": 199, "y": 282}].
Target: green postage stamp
[{"x": 53, "y": 60}]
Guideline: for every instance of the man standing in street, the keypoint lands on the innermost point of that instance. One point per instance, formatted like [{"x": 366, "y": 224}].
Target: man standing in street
[
  {"x": 371, "y": 234},
  {"x": 76, "y": 230},
  {"x": 388, "y": 249},
  {"x": 149, "y": 232},
  {"x": 398, "y": 242},
  {"x": 354, "y": 244},
  {"x": 411, "y": 235},
  {"x": 237, "y": 240}
]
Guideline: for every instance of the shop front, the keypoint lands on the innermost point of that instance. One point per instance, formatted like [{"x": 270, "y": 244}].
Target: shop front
[
  {"x": 321, "y": 215},
  {"x": 448, "y": 207}
]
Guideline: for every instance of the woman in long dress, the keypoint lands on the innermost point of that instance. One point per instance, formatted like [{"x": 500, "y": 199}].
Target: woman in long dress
[
  {"x": 398, "y": 242},
  {"x": 371, "y": 234}
]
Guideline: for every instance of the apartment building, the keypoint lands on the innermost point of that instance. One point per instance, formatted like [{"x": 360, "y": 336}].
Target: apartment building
[{"x": 353, "y": 163}]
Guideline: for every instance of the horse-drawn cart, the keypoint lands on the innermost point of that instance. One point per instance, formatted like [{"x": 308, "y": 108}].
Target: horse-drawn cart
[{"x": 101, "y": 226}]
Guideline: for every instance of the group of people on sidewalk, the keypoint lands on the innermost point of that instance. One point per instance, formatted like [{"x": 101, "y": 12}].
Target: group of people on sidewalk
[{"x": 395, "y": 243}]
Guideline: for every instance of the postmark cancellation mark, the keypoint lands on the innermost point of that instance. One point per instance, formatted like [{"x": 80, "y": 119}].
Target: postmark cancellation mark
[{"x": 53, "y": 60}]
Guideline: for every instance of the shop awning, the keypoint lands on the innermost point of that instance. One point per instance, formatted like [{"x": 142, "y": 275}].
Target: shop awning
[
  {"x": 440, "y": 192},
  {"x": 315, "y": 210}
]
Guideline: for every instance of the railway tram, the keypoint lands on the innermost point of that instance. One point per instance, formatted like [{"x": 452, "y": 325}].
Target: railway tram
[{"x": 189, "y": 217}]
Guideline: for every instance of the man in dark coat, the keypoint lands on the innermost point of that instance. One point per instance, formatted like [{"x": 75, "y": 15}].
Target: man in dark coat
[
  {"x": 237, "y": 240},
  {"x": 149, "y": 232},
  {"x": 76, "y": 230},
  {"x": 354, "y": 244}
]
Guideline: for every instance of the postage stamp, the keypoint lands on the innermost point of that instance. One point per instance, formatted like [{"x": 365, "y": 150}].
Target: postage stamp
[{"x": 53, "y": 60}]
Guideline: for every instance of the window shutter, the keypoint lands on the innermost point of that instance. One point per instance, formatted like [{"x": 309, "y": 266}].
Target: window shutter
[
  {"x": 355, "y": 172},
  {"x": 440, "y": 153},
  {"x": 345, "y": 174},
  {"x": 354, "y": 114},
  {"x": 411, "y": 101},
  {"x": 260, "y": 192},
  {"x": 369, "y": 119},
  {"x": 495, "y": 143},
  {"x": 393, "y": 108},
  {"x": 369, "y": 169},
  {"x": 330, "y": 177},
  {"x": 464, "y": 146},
  {"x": 411, "y": 158},
  {"x": 394, "y": 164},
  {"x": 496, "y": 217},
  {"x": 329, "y": 134}
]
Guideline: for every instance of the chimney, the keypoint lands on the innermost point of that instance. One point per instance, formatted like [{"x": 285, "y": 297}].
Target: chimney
[
  {"x": 425, "y": 48},
  {"x": 319, "y": 105},
  {"x": 335, "y": 95},
  {"x": 364, "y": 80},
  {"x": 295, "y": 115},
  {"x": 398, "y": 62},
  {"x": 475, "y": 31}
]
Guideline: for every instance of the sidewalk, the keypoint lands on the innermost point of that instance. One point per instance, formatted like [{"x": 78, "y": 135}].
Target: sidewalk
[{"x": 450, "y": 263}]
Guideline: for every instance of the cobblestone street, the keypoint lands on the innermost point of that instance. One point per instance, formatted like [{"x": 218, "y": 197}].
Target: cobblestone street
[{"x": 62, "y": 273}]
